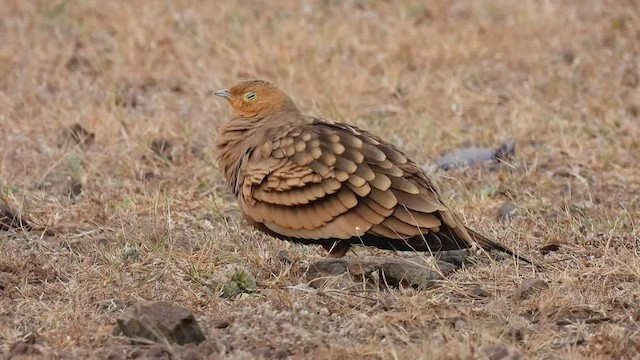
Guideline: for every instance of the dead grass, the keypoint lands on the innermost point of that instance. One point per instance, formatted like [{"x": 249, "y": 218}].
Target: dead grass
[{"x": 136, "y": 219}]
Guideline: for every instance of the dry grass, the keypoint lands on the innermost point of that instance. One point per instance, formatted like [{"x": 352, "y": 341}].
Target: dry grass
[{"x": 560, "y": 77}]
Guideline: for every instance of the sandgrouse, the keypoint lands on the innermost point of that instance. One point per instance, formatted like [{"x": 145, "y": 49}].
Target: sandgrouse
[{"x": 315, "y": 181}]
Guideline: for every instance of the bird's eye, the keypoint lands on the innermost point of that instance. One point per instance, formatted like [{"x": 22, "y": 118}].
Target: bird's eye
[{"x": 250, "y": 96}]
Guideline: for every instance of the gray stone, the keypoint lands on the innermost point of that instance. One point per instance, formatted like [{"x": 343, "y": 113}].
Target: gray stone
[
  {"x": 530, "y": 287},
  {"x": 159, "y": 321},
  {"x": 480, "y": 292},
  {"x": 500, "y": 352},
  {"x": 413, "y": 272},
  {"x": 473, "y": 156},
  {"x": 507, "y": 211}
]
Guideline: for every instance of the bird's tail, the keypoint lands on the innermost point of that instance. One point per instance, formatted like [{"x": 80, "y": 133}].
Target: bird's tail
[{"x": 489, "y": 244}]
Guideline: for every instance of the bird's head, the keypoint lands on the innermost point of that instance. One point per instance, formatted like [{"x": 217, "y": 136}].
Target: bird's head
[{"x": 256, "y": 98}]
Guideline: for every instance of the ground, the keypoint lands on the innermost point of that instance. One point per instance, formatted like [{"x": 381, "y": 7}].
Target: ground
[{"x": 136, "y": 209}]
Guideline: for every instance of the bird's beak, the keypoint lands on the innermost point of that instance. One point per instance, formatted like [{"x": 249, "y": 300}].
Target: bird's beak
[{"x": 223, "y": 93}]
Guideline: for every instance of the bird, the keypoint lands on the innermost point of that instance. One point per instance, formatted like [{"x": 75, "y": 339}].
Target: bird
[{"x": 315, "y": 181}]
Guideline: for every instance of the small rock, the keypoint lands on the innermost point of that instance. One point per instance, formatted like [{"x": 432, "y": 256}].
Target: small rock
[
  {"x": 465, "y": 158},
  {"x": 26, "y": 347},
  {"x": 409, "y": 275},
  {"x": 160, "y": 320},
  {"x": 473, "y": 156},
  {"x": 395, "y": 272},
  {"x": 284, "y": 257},
  {"x": 530, "y": 287},
  {"x": 456, "y": 258},
  {"x": 507, "y": 211},
  {"x": 501, "y": 352},
  {"x": 480, "y": 292},
  {"x": 328, "y": 267}
]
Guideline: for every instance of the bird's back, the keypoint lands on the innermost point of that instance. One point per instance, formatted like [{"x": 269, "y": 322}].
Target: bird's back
[{"x": 322, "y": 182}]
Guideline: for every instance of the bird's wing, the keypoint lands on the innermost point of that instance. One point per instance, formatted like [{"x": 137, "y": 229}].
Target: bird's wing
[{"x": 326, "y": 180}]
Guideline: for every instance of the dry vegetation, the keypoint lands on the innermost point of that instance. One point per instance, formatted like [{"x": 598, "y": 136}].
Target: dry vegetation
[{"x": 139, "y": 210}]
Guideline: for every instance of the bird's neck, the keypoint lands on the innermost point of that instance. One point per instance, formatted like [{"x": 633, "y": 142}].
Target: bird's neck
[
  {"x": 236, "y": 139},
  {"x": 231, "y": 147}
]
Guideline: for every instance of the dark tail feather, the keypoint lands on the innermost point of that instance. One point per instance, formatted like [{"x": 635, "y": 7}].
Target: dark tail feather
[{"x": 489, "y": 244}]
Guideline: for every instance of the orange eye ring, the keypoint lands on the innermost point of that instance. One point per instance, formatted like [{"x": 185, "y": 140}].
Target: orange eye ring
[{"x": 250, "y": 96}]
